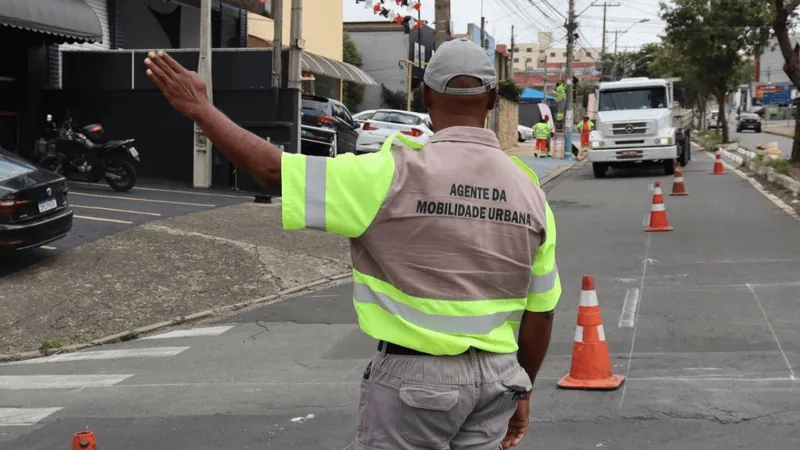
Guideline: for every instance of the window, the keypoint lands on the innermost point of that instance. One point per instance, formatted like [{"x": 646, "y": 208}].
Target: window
[
  {"x": 10, "y": 168},
  {"x": 528, "y": 49},
  {"x": 528, "y": 59},
  {"x": 588, "y": 54},
  {"x": 641, "y": 98},
  {"x": 563, "y": 54},
  {"x": 516, "y": 59},
  {"x": 553, "y": 54},
  {"x": 394, "y": 117},
  {"x": 516, "y": 49}
]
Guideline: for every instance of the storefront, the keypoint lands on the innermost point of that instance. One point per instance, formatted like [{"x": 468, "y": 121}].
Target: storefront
[{"x": 30, "y": 29}]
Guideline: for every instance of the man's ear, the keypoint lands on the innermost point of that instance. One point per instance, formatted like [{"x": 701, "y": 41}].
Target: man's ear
[
  {"x": 492, "y": 100},
  {"x": 426, "y": 100}
]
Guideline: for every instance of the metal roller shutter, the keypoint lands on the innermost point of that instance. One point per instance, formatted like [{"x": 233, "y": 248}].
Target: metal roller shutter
[{"x": 101, "y": 8}]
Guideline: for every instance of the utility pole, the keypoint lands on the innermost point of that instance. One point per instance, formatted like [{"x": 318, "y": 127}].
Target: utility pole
[
  {"x": 568, "y": 119},
  {"x": 277, "y": 42},
  {"x": 442, "y": 18},
  {"x": 202, "y": 145},
  {"x": 511, "y": 63},
  {"x": 484, "y": 42},
  {"x": 603, "y": 48},
  {"x": 295, "y": 53},
  {"x": 544, "y": 88}
]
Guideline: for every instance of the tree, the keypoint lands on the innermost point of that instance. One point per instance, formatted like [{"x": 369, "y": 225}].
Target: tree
[
  {"x": 665, "y": 62},
  {"x": 785, "y": 15},
  {"x": 713, "y": 39},
  {"x": 353, "y": 93},
  {"x": 393, "y": 99}
]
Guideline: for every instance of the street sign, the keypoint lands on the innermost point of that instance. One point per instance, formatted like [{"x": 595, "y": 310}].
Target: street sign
[{"x": 777, "y": 98}]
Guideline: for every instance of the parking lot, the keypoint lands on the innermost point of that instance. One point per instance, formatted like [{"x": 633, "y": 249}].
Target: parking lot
[{"x": 100, "y": 211}]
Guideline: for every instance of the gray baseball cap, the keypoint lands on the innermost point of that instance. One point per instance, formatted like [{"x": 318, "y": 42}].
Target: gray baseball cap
[{"x": 460, "y": 57}]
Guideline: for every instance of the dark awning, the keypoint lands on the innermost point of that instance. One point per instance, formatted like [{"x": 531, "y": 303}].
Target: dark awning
[
  {"x": 70, "y": 20},
  {"x": 335, "y": 69}
]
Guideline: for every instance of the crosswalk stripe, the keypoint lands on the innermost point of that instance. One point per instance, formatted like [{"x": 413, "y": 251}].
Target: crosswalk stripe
[
  {"x": 192, "y": 332},
  {"x": 20, "y": 417},
  {"x": 156, "y": 352},
  {"x": 20, "y": 382}
]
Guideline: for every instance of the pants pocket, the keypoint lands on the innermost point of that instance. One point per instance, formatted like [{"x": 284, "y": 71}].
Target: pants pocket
[
  {"x": 428, "y": 417},
  {"x": 512, "y": 388},
  {"x": 364, "y": 400}
]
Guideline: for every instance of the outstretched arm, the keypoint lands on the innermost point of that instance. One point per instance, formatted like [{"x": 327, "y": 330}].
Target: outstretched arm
[{"x": 186, "y": 92}]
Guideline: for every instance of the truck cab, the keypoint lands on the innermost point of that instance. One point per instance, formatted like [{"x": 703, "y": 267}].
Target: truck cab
[{"x": 638, "y": 122}]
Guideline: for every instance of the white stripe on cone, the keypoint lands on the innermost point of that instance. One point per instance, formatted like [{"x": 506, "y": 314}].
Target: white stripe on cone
[
  {"x": 601, "y": 333},
  {"x": 657, "y": 191},
  {"x": 679, "y": 179},
  {"x": 658, "y": 207},
  {"x": 589, "y": 298}
]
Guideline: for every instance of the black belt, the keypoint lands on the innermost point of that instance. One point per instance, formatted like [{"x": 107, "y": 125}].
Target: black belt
[{"x": 394, "y": 349}]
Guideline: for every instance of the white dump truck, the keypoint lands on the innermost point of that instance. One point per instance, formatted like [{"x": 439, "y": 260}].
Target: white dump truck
[{"x": 639, "y": 121}]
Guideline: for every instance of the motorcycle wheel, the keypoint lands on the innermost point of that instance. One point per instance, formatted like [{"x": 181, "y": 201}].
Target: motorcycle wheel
[{"x": 127, "y": 173}]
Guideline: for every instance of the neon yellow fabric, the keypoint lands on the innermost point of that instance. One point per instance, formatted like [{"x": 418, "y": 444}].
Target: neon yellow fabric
[
  {"x": 561, "y": 92},
  {"x": 350, "y": 191},
  {"x": 544, "y": 267},
  {"x": 541, "y": 130},
  {"x": 526, "y": 169},
  {"x": 387, "y": 144},
  {"x": 549, "y": 128},
  {"x": 580, "y": 126}
]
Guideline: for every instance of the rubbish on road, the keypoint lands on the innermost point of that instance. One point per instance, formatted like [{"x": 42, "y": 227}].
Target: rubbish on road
[
  {"x": 591, "y": 362},
  {"x": 719, "y": 169},
  {"x": 772, "y": 149},
  {"x": 678, "y": 188},
  {"x": 658, "y": 212},
  {"x": 83, "y": 440}
]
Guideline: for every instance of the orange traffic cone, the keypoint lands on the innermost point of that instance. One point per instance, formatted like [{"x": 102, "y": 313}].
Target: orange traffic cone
[
  {"x": 719, "y": 169},
  {"x": 591, "y": 363},
  {"x": 658, "y": 213},
  {"x": 83, "y": 440},
  {"x": 677, "y": 184}
]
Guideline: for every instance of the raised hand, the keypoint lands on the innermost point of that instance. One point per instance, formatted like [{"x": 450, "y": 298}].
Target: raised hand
[{"x": 184, "y": 89}]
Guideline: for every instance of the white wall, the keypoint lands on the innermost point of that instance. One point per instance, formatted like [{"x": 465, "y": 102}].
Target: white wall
[{"x": 381, "y": 52}]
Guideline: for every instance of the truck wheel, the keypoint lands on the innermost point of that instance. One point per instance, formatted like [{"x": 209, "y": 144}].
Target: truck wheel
[
  {"x": 599, "y": 170},
  {"x": 683, "y": 158},
  {"x": 669, "y": 166}
]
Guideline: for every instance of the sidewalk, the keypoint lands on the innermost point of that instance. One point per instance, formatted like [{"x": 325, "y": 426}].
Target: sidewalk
[
  {"x": 162, "y": 270},
  {"x": 780, "y": 130},
  {"x": 545, "y": 168}
]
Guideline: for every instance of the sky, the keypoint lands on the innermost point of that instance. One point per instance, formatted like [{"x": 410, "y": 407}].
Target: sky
[{"x": 531, "y": 16}]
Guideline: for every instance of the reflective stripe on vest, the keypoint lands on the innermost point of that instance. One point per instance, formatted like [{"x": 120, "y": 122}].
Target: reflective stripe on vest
[{"x": 543, "y": 283}]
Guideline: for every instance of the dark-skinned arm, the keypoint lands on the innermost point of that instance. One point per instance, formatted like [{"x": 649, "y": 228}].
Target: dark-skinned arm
[
  {"x": 186, "y": 92},
  {"x": 259, "y": 158},
  {"x": 534, "y": 339}
]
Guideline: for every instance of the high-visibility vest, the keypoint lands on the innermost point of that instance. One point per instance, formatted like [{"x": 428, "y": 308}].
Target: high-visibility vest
[
  {"x": 541, "y": 130},
  {"x": 580, "y": 126},
  {"x": 344, "y": 195},
  {"x": 561, "y": 93}
]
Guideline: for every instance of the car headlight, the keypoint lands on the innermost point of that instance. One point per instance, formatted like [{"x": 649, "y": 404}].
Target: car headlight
[
  {"x": 664, "y": 141},
  {"x": 596, "y": 144}
]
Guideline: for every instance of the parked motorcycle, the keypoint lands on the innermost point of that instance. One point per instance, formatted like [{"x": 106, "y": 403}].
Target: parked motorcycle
[{"x": 82, "y": 155}]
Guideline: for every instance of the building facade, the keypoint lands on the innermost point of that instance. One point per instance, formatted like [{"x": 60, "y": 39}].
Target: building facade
[{"x": 385, "y": 49}]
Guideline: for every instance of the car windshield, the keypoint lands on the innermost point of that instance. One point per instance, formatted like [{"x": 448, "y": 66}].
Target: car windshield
[
  {"x": 749, "y": 116},
  {"x": 314, "y": 106},
  {"x": 640, "y": 98},
  {"x": 399, "y": 118},
  {"x": 10, "y": 168}
]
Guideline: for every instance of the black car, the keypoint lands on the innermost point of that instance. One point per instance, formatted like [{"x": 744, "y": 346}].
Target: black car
[
  {"x": 33, "y": 205},
  {"x": 748, "y": 121},
  {"x": 330, "y": 116}
]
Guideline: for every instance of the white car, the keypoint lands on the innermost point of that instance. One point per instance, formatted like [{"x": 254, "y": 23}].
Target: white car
[
  {"x": 524, "y": 133},
  {"x": 386, "y": 122},
  {"x": 363, "y": 116}
]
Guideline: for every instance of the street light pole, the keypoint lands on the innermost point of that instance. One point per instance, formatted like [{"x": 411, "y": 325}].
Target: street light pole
[
  {"x": 568, "y": 118},
  {"x": 295, "y": 65}
]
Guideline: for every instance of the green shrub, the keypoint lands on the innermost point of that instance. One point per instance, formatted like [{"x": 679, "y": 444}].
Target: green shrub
[{"x": 781, "y": 166}]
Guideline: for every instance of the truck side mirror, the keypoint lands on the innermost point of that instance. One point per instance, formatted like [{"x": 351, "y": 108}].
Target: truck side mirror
[{"x": 586, "y": 101}]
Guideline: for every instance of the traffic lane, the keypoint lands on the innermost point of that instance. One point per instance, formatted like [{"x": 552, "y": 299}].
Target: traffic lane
[
  {"x": 751, "y": 140},
  {"x": 100, "y": 211}
]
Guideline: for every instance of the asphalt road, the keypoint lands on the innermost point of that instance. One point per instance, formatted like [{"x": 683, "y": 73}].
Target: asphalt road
[
  {"x": 711, "y": 357},
  {"x": 750, "y": 140},
  {"x": 100, "y": 211}
]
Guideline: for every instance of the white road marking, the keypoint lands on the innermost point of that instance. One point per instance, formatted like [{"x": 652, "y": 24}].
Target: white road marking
[
  {"x": 21, "y": 382},
  {"x": 645, "y": 260},
  {"x": 134, "y": 199},
  {"x": 176, "y": 191},
  {"x": 47, "y": 247},
  {"x": 772, "y": 330},
  {"x": 156, "y": 352},
  {"x": 628, "y": 315},
  {"x": 21, "y": 417},
  {"x": 127, "y": 211},
  {"x": 102, "y": 219},
  {"x": 192, "y": 332}
]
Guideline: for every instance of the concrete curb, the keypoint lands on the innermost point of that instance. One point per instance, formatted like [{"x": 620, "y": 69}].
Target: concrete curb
[
  {"x": 136, "y": 332},
  {"x": 775, "y": 133},
  {"x": 745, "y": 158},
  {"x": 562, "y": 170}
]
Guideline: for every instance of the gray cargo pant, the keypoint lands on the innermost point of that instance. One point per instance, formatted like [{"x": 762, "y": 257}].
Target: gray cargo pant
[{"x": 438, "y": 402}]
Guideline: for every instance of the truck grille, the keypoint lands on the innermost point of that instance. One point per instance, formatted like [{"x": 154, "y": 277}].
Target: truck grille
[{"x": 630, "y": 128}]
